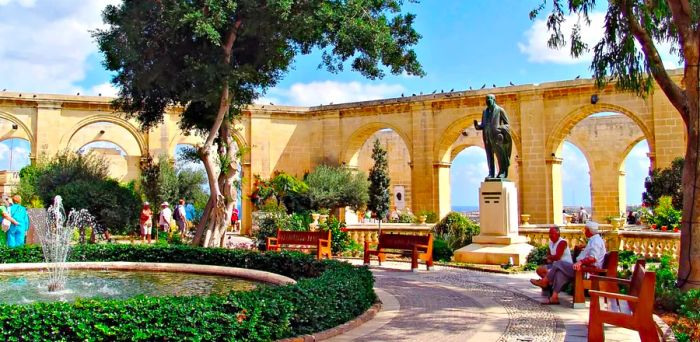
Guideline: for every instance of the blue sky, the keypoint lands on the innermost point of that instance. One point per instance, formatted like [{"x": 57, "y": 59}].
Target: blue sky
[{"x": 45, "y": 46}]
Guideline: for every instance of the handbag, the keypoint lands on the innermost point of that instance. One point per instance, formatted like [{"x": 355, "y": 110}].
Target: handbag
[{"x": 5, "y": 225}]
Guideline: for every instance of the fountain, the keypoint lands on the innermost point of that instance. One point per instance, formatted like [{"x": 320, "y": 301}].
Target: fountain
[{"x": 54, "y": 232}]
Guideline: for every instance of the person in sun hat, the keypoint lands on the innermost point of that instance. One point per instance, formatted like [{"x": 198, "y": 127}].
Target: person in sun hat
[
  {"x": 562, "y": 272},
  {"x": 146, "y": 222},
  {"x": 166, "y": 217}
]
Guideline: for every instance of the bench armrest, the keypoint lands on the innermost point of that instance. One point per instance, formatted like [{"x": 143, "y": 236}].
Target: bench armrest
[
  {"x": 323, "y": 242},
  {"x": 594, "y": 294},
  {"x": 271, "y": 241},
  {"x": 611, "y": 279}
]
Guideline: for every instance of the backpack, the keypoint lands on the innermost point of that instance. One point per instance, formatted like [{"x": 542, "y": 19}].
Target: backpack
[{"x": 176, "y": 214}]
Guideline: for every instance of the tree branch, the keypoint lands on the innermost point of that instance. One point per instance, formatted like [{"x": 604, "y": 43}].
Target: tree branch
[
  {"x": 674, "y": 93},
  {"x": 680, "y": 10}
]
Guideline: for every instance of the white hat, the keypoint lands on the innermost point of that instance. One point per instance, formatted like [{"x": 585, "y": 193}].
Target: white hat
[
  {"x": 164, "y": 204},
  {"x": 592, "y": 226}
]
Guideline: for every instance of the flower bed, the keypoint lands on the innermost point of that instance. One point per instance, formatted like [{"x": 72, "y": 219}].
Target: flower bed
[{"x": 327, "y": 294}]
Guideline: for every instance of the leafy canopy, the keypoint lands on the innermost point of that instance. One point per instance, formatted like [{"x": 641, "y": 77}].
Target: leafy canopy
[
  {"x": 665, "y": 182},
  {"x": 173, "y": 52},
  {"x": 332, "y": 187}
]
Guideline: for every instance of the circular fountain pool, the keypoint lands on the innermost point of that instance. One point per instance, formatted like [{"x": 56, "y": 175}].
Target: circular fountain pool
[
  {"x": 27, "y": 283},
  {"x": 29, "y": 287}
]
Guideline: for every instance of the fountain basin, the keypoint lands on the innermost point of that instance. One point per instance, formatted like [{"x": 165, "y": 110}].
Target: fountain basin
[{"x": 25, "y": 283}]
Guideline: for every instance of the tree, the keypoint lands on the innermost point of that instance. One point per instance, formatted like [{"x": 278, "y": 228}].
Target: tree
[
  {"x": 628, "y": 55},
  {"x": 332, "y": 187},
  {"x": 189, "y": 184},
  {"x": 379, "y": 183},
  {"x": 665, "y": 182},
  {"x": 212, "y": 58}
]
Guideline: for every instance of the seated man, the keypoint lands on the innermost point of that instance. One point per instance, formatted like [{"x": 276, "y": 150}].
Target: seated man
[
  {"x": 558, "y": 250},
  {"x": 562, "y": 272}
]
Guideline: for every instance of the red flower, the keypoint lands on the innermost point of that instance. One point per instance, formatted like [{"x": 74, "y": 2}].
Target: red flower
[
  {"x": 653, "y": 226},
  {"x": 343, "y": 229},
  {"x": 676, "y": 230},
  {"x": 664, "y": 228}
]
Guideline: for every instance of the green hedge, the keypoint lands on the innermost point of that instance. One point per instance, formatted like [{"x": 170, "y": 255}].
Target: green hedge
[{"x": 327, "y": 294}]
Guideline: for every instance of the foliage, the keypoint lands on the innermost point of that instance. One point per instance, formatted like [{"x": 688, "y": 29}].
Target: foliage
[
  {"x": 284, "y": 189},
  {"x": 82, "y": 182},
  {"x": 167, "y": 181},
  {"x": 430, "y": 216},
  {"x": 28, "y": 179},
  {"x": 456, "y": 229},
  {"x": 441, "y": 250},
  {"x": 537, "y": 257},
  {"x": 407, "y": 217},
  {"x": 212, "y": 58},
  {"x": 269, "y": 221},
  {"x": 379, "y": 182},
  {"x": 340, "y": 239},
  {"x": 668, "y": 296},
  {"x": 189, "y": 186},
  {"x": 665, "y": 215},
  {"x": 331, "y": 187},
  {"x": 665, "y": 182},
  {"x": 300, "y": 221},
  {"x": 328, "y": 293}
]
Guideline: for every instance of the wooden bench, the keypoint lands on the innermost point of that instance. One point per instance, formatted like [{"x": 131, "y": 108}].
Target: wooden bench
[
  {"x": 581, "y": 284},
  {"x": 632, "y": 311},
  {"x": 321, "y": 240},
  {"x": 420, "y": 246}
]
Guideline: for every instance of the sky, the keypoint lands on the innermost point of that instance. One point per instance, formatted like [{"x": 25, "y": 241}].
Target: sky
[{"x": 46, "y": 47}]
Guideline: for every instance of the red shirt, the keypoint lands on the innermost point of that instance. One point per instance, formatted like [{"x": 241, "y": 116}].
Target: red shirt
[{"x": 234, "y": 216}]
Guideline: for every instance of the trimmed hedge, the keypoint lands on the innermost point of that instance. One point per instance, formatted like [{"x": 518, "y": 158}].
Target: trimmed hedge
[{"x": 327, "y": 294}]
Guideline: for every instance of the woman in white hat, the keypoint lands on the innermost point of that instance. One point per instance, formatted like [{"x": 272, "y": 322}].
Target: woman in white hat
[{"x": 166, "y": 216}]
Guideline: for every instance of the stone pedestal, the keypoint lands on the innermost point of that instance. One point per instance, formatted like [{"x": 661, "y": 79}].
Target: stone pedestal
[{"x": 498, "y": 240}]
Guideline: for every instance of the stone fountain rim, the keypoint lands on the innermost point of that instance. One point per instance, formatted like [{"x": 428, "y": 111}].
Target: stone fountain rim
[{"x": 244, "y": 273}]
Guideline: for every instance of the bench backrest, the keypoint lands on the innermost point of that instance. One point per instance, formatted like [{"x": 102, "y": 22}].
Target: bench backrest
[
  {"x": 642, "y": 285},
  {"x": 402, "y": 241},
  {"x": 290, "y": 237},
  {"x": 610, "y": 263}
]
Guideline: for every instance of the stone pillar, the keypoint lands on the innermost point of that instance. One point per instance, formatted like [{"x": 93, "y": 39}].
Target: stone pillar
[
  {"x": 669, "y": 131},
  {"x": 246, "y": 214},
  {"x": 622, "y": 191},
  {"x": 555, "y": 203},
  {"x": 536, "y": 176},
  {"x": 442, "y": 184},
  {"x": 605, "y": 191},
  {"x": 425, "y": 195},
  {"x": 47, "y": 130}
]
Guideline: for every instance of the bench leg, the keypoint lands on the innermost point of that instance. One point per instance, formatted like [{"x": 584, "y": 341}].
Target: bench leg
[
  {"x": 648, "y": 333},
  {"x": 579, "y": 297},
  {"x": 595, "y": 326}
]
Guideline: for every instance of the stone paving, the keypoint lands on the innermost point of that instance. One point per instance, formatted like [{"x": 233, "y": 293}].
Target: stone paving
[{"x": 450, "y": 304}]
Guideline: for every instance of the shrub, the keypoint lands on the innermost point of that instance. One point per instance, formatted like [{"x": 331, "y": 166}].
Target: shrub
[
  {"x": 665, "y": 215},
  {"x": 665, "y": 182},
  {"x": 268, "y": 222},
  {"x": 407, "y": 217},
  {"x": 537, "y": 256},
  {"x": 340, "y": 239},
  {"x": 430, "y": 216},
  {"x": 332, "y": 187},
  {"x": 327, "y": 294},
  {"x": 441, "y": 250},
  {"x": 456, "y": 229}
]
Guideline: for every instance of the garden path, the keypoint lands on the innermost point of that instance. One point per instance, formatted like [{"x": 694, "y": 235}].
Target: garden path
[{"x": 452, "y": 304}]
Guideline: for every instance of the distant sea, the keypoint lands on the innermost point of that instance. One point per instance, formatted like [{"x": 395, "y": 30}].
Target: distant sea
[{"x": 465, "y": 208}]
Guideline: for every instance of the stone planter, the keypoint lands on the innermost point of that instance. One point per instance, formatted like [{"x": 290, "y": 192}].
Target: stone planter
[
  {"x": 422, "y": 219},
  {"x": 617, "y": 223},
  {"x": 525, "y": 219}
]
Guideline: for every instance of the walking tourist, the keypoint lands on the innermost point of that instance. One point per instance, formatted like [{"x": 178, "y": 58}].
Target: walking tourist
[
  {"x": 20, "y": 223},
  {"x": 189, "y": 211},
  {"x": 166, "y": 217},
  {"x": 558, "y": 250},
  {"x": 562, "y": 272},
  {"x": 180, "y": 217},
  {"x": 583, "y": 215},
  {"x": 234, "y": 219},
  {"x": 146, "y": 222}
]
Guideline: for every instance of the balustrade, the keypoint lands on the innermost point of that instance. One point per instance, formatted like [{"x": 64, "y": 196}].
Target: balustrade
[{"x": 369, "y": 232}]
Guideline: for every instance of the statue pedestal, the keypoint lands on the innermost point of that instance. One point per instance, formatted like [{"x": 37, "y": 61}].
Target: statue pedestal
[{"x": 498, "y": 240}]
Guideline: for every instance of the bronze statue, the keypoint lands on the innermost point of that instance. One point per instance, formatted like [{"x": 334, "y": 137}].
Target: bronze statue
[{"x": 497, "y": 138}]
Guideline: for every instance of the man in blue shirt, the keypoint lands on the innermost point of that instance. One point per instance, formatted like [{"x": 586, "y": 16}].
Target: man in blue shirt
[{"x": 189, "y": 211}]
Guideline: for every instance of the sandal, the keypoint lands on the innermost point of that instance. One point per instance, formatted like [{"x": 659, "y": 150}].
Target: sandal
[
  {"x": 537, "y": 282},
  {"x": 548, "y": 301}
]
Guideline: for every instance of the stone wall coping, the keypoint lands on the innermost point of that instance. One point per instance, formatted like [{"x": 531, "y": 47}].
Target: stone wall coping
[
  {"x": 391, "y": 226},
  {"x": 623, "y": 232},
  {"x": 256, "y": 275}
]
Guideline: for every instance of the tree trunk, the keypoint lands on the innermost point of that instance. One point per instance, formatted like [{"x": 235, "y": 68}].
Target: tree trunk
[{"x": 689, "y": 258}]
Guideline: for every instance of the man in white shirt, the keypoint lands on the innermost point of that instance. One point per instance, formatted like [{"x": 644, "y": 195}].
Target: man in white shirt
[
  {"x": 166, "y": 216},
  {"x": 562, "y": 272}
]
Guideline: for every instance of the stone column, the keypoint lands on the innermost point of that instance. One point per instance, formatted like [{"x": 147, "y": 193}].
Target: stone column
[
  {"x": 442, "y": 184},
  {"x": 536, "y": 174},
  {"x": 47, "y": 129},
  {"x": 555, "y": 203},
  {"x": 424, "y": 195}
]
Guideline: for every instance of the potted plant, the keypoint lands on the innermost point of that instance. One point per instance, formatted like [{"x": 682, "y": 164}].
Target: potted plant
[{"x": 422, "y": 219}]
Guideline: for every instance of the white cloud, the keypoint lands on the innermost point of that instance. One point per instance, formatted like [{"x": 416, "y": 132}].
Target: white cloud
[
  {"x": 4, "y": 151},
  {"x": 106, "y": 89},
  {"x": 44, "y": 45},
  {"x": 536, "y": 49},
  {"x": 324, "y": 92}
]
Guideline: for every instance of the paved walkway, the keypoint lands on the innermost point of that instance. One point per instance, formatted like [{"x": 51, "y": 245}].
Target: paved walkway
[{"x": 449, "y": 304}]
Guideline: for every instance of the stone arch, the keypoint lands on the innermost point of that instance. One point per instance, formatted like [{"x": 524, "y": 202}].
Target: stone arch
[
  {"x": 443, "y": 150},
  {"x": 20, "y": 125},
  {"x": 358, "y": 138},
  {"x": 140, "y": 140},
  {"x": 629, "y": 148},
  {"x": 561, "y": 129}
]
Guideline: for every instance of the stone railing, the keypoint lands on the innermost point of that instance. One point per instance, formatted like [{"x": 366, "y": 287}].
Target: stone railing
[
  {"x": 368, "y": 231},
  {"x": 650, "y": 244}
]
